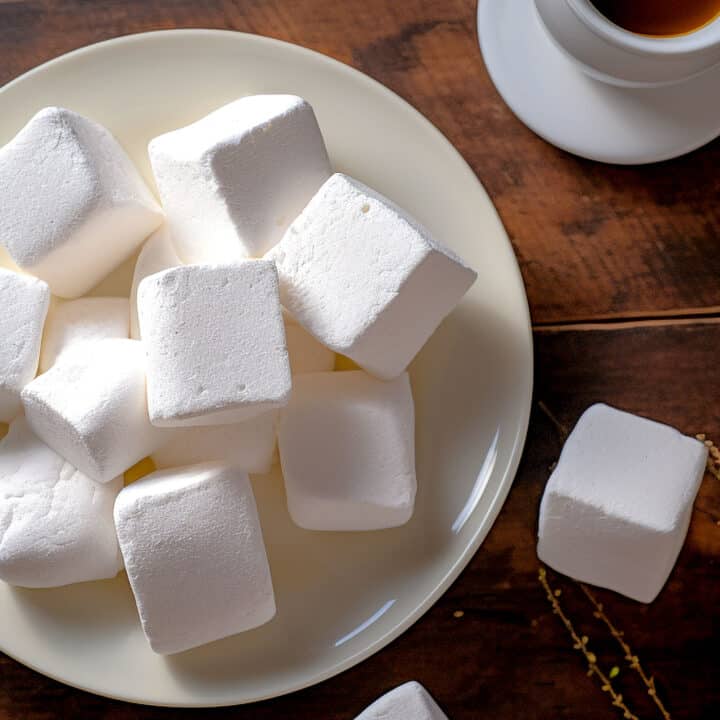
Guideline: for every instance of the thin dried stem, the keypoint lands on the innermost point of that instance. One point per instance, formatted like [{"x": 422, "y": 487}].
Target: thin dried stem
[
  {"x": 564, "y": 432},
  {"x": 713, "y": 461},
  {"x": 580, "y": 643},
  {"x": 633, "y": 660}
]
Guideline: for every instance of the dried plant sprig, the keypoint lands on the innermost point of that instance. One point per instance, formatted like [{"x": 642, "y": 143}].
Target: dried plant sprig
[
  {"x": 632, "y": 659},
  {"x": 581, "y": 643},
  {"x": 564, "y": 432},
  {"x": 713, "y": 461}
]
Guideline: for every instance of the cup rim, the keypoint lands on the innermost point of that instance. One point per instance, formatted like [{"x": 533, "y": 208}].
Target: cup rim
[{"x": 593, "y": 19}]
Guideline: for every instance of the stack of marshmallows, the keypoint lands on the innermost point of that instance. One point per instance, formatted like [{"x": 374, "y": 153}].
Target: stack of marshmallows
[{"x": 260, "y": 266}]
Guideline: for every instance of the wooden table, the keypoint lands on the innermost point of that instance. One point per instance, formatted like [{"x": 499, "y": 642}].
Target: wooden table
[{"x": 622, "y": 269}]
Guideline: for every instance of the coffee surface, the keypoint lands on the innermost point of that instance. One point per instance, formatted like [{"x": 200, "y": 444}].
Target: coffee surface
[{"x": 659, "y": 17}]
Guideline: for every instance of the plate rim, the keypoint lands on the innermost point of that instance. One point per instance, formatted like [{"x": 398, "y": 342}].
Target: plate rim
[{"x": 518, "y": 441}]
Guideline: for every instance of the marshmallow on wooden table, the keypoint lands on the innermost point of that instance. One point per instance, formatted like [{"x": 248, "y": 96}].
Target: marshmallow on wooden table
[
  {"x": 24, "y": 303},
  {"x": 194, "y": 555},
  {"x": 617, "y": 507},
  {"x": 56, "y": 524},
  {"x": 347, "y": 450},
  {"x": 232, "y": 182},
  {"x": 215, "y": 343},
  {"x": 76, "y": 206},
  {"x": 157, "y": 254},
  {"x": 249, "y": 445},
  {"x": 73, "y": 322},
  {"x": 410, "y": 701},
  {"x": 364, "y": 278},
  {"x": 91, "y": 408}
]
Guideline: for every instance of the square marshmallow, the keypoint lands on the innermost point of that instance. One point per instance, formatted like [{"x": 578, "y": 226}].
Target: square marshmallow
[
  {"x": 215, "y": 343},
  {"x": 24, "y": 302},
  {"x": 364, "y": 278},
  {"x": 157, "y": 254},
  {"x": 249, "y": 445},
  {"x": 232, "y": 182},
  {"x": 617, "y": 507},
  {"x": 78, "y": 206},
  {"x": 91, "y": 408},
  {"x": 410, "y": 701},
  {"x": 347, "y": 450},
  {"x": 56, "y": 524},
  {"x": 71, "y": 323},
  {"x": 194, "y": 555}
]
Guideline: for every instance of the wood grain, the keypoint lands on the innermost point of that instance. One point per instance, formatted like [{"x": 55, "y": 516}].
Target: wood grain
[{"x": 594, "y": 242}]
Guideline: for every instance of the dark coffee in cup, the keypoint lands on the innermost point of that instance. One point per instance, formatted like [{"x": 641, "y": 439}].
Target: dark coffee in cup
[{"x": 659, "y": 18}]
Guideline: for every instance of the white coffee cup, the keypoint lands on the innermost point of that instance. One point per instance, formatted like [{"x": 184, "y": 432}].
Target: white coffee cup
[{"x": 617, "y": 56}]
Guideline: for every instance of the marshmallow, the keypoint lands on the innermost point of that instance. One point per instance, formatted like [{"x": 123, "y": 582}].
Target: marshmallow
[
  {"x": 71, "y": 323},
  {"x": 56, "y": 524},
  {"x": 156, "y": 255},
  {"x": 347, "y": 450},
  {"x": 77, "y": 206},
  {"x": 307, "y": 355},
  {"x": 90, "y": 407},
  {"x": 194, "y": 555},
  {"x": 24, "y": 302},
  {"x": 232, "y": 182},
  {"x": 215, "y": 343},
  {"x": 616, "y": 509},
  {"x": 364, "y": 278},
  {"x": 410, "y": 701},
  {"x": 249, "y": 445}
]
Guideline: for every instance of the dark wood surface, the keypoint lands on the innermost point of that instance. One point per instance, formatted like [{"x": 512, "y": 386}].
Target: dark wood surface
[{"x": 623, "y": 275}]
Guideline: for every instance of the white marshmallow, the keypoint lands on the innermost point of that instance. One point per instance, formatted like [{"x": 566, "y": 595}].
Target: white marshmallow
[
  {"x": 24, "y": 303},
  {"x": 307, "y": 355},
  {"x": 249, "y": 445},
  {"x": 56, "y": 524},
  {"x": 91, "y": 408},
  {"x": 347, "y": 450},
  {"x": 364, "y": 278},
  {"x": 410, "y": 701},
  {"x": 194, "y": 555},
  {"x": 77, "y": 206},
  {"x": 232, "y": 182},
  {"x": 71, "y": 323},
  {"x": 215, "y": 342},
  {"x": 157, "y": 254},
  {"x": 617, "y": 507}
]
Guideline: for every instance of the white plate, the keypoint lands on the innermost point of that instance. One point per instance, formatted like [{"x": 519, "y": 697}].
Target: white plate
[
  {"x": 340, "y": 597},
  {"x": 548, "y": 93}
]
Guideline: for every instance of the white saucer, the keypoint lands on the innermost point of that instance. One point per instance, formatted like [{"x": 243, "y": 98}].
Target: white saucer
[{"x": 567, "y": 108}]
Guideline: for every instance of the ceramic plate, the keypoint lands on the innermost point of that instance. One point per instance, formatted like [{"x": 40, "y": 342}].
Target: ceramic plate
[{"x": 340, "y": 596}]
